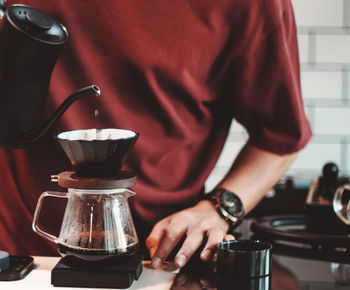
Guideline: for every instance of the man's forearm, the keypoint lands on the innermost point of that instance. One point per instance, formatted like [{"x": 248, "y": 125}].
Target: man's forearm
[{"x": 254, "y": 172}]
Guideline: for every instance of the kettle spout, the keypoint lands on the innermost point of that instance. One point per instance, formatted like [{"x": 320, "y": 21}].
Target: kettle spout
[{"x": 90, "y": 90}]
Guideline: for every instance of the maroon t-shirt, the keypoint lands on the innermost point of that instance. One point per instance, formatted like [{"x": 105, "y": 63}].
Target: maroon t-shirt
[{"x": 176, "y": 72}]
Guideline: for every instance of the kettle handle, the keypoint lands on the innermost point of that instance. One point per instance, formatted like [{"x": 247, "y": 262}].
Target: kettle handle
[
  {"x": 338, "y": 206},
  {"x": 35, "y": 227}
]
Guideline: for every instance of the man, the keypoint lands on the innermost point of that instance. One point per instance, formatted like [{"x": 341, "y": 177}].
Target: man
[{"x": 177, "y": 72}]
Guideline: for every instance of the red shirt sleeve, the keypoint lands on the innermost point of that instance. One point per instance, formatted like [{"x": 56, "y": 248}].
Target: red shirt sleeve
[{"x": 267, "y": 97}]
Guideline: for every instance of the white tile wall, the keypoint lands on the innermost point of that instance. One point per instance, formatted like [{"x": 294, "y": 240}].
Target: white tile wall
[
  {"x": 324, "y": 51},
  {"x": 318, "y": 12},
  {"x": 237, "y": 128},
  {"x": 321, "y": 85},
  {"x": 229, "y": 153},
  {"x": 332, "y": 121},
  {"x": 333, "y": 48},
  {"x": 303, "y": 41},
  {"x": 346, "y": 147},
  {"x": 315, "y": 155}
]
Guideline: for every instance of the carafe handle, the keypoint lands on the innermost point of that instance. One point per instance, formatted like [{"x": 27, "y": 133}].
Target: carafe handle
[
  {"x": 35, "y": 227},
  {"x": 338, "y": 206}
]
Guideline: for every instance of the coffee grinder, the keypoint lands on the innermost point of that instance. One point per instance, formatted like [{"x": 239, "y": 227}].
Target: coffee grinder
[{"x": 97, "y": 240}]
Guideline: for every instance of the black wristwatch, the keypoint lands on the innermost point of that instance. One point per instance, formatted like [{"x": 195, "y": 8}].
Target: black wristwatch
[{"x": 228, "y": 205}]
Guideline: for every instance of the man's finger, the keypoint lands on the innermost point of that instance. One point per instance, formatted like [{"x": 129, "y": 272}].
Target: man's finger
[
  {"x": 154, "y": 238},
  {"x": 229, "y": 237},
  {"x": 215, "y": 236},
  {"x": 170, "y": 239},
  {"x": 191, "y": 244},
  {"x": 152, "y": 245}
]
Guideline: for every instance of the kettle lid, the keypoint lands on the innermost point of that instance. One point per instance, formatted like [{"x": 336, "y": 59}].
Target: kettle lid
[{"x": 37, "y": 24}]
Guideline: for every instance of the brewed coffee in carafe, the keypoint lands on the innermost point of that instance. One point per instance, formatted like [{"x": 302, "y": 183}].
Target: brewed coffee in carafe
[{"x": 97, "y": 223}]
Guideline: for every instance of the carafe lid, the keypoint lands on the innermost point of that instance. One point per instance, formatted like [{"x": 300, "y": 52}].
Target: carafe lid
[{"x": 37, "y": 24}]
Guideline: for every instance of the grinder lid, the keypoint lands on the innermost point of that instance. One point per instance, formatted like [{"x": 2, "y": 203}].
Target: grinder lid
[{"x": 37, "y": 24}]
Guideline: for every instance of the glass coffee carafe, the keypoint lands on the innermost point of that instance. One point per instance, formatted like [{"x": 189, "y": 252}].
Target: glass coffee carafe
[{"x": 97, "y": 223}]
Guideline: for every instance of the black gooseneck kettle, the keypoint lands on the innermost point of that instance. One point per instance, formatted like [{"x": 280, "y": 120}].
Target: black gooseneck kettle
[{"x": 30, "y": 43}]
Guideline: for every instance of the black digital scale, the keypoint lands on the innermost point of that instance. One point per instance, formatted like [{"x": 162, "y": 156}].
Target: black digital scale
[{"x": 70, "y": 272}]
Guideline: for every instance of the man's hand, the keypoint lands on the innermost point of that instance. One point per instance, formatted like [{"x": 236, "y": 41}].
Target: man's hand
[
  {"x": 195, "y": 223},
  {"x": 254, "y": 172}
]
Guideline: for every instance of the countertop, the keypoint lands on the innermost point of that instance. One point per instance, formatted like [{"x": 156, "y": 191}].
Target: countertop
[
  {"x": 287, "y": 273},
  {"x": 292, "y": 270},
  {"x": 39, "y": 278}
]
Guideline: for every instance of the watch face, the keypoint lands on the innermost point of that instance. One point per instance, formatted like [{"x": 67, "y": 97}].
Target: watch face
[{"x": 232, "y": 204}]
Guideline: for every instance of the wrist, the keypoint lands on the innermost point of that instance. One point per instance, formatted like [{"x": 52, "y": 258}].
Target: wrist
[
  {"x": 206, "y": 205},
  {"x": 210, "y": 210},
  {"x": 228, "y": 205}
]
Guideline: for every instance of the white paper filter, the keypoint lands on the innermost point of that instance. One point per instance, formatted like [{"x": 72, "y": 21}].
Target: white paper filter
[{"x": 96, "y": 134}]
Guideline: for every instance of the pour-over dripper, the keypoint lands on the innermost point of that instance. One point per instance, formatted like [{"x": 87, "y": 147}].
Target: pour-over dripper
[{"x": 97, "y": 152}]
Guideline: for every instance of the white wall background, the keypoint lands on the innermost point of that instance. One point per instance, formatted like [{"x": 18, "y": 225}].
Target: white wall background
[{"x": 324, "y": 48}]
